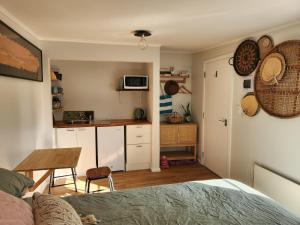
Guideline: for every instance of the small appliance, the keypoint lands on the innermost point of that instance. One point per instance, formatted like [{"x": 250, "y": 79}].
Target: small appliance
[
  {"x": 139, "y": 114},
  {"x": 135, "y": 82}
]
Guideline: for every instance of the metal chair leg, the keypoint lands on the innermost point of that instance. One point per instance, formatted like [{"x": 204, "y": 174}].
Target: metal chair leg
[
  {"x": 50, "y": 183},
  {"x": 88, "y": 186},
  {"x": 85, "y": 186},
  {"x": 111, "y": 183},
  {"x": 74, "y": 178},
  {"x": 53, "y": 175}
]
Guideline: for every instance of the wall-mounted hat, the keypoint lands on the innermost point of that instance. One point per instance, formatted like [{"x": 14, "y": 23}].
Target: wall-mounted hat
[{"x": 272, "y": 69}]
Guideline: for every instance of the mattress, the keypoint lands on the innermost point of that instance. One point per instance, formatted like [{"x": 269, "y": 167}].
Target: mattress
[{"x": 221, "y": 201}]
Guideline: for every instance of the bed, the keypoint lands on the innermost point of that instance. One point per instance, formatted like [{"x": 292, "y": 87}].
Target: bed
[
  {"x": 222, "y": 201},
  {"x": 219, "y": 201}
]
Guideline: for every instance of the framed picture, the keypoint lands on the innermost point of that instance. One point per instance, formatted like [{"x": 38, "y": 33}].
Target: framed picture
[{"x": 19, "y": 58}]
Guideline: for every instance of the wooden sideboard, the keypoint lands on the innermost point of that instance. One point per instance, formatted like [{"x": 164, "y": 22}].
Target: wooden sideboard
[{"x": 179, "y": 135}]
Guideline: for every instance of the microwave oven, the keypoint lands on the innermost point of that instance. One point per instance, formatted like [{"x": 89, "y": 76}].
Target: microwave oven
[{"x": 135, "y": 82}]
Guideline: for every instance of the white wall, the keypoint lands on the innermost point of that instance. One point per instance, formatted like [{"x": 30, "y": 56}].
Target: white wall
[
  {"x": 92, "y": 86},
  {"x": 117, "y": 53},
  {"x": 265, "y": 139},
  {"x": 180, "y": 61},
  {"x": 25, "y": 114}
]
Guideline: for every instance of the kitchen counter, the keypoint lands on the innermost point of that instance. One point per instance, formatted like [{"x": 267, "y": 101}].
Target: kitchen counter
[{"x": 101, "y": 123}]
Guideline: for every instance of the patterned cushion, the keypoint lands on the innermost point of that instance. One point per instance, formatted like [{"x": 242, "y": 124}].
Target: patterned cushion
[
  {"x": 14, "y": 211},
  {"x": 51, "y": 210}
]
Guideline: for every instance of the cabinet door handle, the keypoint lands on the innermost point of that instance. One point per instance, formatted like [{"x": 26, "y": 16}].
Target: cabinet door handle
[
  {"x": 139, "y": 126},
  {"x": 81, "y": 129},
  {"x": 139, "y": 146},
  {"x": 70, "y": 129},
  {"x": 139, "y": 136}
]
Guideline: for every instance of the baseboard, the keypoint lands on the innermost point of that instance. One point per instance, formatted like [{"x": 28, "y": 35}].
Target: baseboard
[
  {"x": 201, "y": 162},
  {"x": 155, "y": 170}
]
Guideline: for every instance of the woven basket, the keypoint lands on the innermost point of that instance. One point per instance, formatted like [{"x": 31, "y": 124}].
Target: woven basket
[
  {"x": 283, "y": 99},
  {"x": 265, "y": 44},
  {"x": 175, "y": 118}
]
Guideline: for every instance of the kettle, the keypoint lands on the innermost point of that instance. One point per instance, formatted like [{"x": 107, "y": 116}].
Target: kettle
[{"x": 139, "y": 114}]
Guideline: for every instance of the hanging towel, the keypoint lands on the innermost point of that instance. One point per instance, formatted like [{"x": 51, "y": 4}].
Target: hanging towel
[{"x": 165, "y": 104}]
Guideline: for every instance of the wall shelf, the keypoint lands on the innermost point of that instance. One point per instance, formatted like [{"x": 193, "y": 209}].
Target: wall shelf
[
  {"x": 178, "y": 155},
  {"x": 58, "y": 109},
  {"x": 174, "y": 76},
  {"x": 119, "y": 90},
  {"x": 57, "y": 95}
]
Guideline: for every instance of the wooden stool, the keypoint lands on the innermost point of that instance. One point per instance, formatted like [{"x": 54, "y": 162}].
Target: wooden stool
[{"x": 96, "y": 174}]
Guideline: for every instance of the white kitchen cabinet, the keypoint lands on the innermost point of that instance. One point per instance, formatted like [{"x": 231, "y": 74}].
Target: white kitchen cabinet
[
  {"x": 138, "y": 147},
  {"x": 83, "y": 137},
  {"x": 86, "y": 138},
  {"x": 111, "y": 147},
  {"x": 66, "y": 137}
]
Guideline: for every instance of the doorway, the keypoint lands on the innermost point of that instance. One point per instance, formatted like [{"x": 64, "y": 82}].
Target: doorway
[{"x": 217, "y": 113}]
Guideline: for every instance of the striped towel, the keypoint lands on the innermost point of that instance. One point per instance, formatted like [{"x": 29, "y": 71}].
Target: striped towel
[{"x": 165, "y": 104}]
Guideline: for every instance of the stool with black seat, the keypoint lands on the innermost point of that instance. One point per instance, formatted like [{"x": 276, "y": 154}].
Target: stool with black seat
[{"x": 97, "y": 174}]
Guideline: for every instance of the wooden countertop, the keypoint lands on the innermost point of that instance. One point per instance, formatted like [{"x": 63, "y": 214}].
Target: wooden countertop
[
  {"x": 102, "y": 123},
  {"x": 185, "y": 123}
]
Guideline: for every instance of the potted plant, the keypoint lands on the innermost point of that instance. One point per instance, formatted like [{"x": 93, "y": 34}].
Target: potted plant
[{"x": 187, "y": 113}]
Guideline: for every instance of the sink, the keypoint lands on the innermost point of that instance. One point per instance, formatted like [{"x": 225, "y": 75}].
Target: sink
[
  {"x": 105, "y": 122},
  {"x": 77, "y": 122}
]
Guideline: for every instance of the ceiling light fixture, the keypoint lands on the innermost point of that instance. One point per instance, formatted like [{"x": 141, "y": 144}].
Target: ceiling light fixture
[{"x": 142, "y": 34}]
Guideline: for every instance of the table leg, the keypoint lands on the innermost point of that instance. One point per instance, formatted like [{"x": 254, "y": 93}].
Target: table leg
[
  {"x": 74, "y": 178},
  {"x": 39, "y": 181},
  {"x": 29, "y": 174},
  {"x": 51, "y": 182},
  {"x": 53, "y": 177}
]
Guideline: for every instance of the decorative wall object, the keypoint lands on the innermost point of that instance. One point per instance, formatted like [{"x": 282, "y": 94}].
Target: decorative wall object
[
  {"x": 265, "y": 44},
  {"x": 246, "y": 57},
  {"x": 171, "y": 87},
  {"x": 283, "y": 99},
  {"x": 250, "y": 105},
  {"x": 18, "y": 57},
  {"x": 272, "y": 69}
]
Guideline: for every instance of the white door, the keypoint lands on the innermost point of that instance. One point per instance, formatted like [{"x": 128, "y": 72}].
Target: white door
[
  {"x": 111, "y": 151},
  {"x": 86, "y": 139},
  {"x": 217, "y": 115}
]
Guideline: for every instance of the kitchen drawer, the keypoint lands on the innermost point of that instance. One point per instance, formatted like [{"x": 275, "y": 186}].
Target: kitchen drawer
[
  {"x": 138, "y": 134},
  {"x": 140, "y": 153}
]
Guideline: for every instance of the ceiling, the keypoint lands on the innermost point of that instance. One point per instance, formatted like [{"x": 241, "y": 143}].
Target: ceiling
[{"x": 190, "y": 25}]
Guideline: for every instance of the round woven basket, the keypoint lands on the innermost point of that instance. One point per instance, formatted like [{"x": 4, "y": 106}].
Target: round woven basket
[
  {"x": 175, "y": 118},
  {"x": 265, "y": 44},
  {"x": 249, "y": 104},
  {"x": 246, "y": 57},
  {"x": 283, "y": 99},
  {"x": 171, "y": 87}
]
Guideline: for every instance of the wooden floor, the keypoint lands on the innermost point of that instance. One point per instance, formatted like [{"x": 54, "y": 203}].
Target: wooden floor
[{"x": 141, "y": 178}]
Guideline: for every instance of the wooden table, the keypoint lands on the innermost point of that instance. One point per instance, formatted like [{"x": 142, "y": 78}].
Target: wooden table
[{"x": 50, "y": 160}]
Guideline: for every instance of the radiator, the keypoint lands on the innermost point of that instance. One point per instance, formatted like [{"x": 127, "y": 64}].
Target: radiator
[{"x": 279, "y": 188}]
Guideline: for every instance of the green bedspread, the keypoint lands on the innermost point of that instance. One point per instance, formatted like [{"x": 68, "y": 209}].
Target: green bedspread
[{"x": 211, "y": 202}]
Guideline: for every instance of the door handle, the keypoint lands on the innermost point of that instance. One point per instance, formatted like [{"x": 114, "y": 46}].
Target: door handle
[{"x": 224, "y": 121}]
